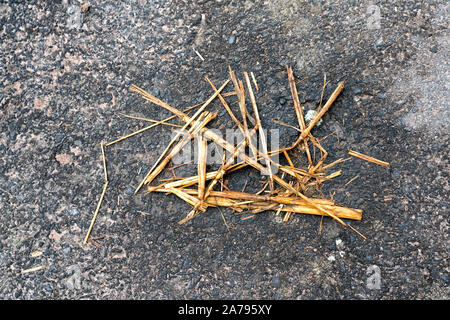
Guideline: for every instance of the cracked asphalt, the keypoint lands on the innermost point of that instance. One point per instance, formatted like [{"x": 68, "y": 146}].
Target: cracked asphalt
[{"x": 65, "y": 73}]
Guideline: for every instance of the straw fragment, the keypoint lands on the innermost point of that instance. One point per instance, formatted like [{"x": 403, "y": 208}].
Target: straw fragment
[
  {"x": 262, "y": 135},
  {"x": 34, "y": 269},
  {"x": 201, "y": 171},
  {"x": 368, "y": 158},
  {"x": 96, "y": 212}
]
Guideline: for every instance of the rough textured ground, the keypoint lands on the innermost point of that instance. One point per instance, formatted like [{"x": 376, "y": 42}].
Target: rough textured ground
[{"x": 65, "y": 73}]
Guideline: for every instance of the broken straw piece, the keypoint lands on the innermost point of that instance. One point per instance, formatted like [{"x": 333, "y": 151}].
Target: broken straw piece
[
  {"x": 368, "y": 158},
  {"x": 96, "y": 212},
  {"x": 38, "y": 268}
]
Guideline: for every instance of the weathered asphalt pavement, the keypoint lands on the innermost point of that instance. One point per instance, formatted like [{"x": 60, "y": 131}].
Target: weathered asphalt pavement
[{"x": 66, "y": 73}]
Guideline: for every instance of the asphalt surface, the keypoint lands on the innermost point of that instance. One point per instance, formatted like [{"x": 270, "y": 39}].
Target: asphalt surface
[{"x": 65, "y": 74}]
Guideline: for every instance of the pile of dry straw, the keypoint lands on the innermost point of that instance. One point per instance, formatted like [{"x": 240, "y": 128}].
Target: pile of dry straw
[{"x": 283, "y": 195}]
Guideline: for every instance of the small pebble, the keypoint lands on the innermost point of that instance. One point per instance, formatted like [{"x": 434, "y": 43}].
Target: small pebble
[
  {"x": 310, "y": 115},
  {"x": 356, "y": 90},
  {"x": 196, "y": 19},
  {"x": 18, "y": 294},
  {"x": 48, "y": 288},
  {"x": 434, "y": 49},
  {"x": 129, "y": 191},
  {"x": 276, "y": 282}
]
